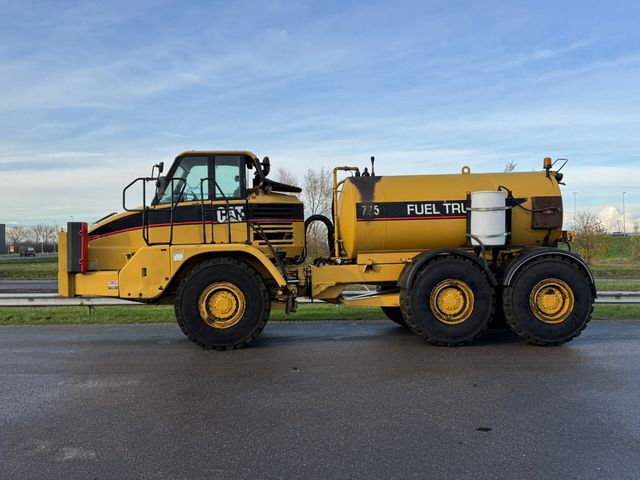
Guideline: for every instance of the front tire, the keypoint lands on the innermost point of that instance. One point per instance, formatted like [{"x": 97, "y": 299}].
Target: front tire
[
  {"x": 222, "y": 303},
  {"x": 450, "y": 303},
  {"x": 549, "y": 302}
]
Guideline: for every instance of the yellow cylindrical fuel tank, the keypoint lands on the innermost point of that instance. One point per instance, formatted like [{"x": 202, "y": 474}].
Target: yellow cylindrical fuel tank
[{"x": 421, "y": 212}]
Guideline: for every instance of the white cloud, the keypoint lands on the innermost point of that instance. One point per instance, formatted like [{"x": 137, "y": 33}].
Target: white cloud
[
  {"x": 540, "y": 54},
  {"x": 612, "y": 219},
  {"x": 168, "y": 134}
]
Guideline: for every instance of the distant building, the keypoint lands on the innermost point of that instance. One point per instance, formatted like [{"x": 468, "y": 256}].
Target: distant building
[{"x": 3, "y": 241}]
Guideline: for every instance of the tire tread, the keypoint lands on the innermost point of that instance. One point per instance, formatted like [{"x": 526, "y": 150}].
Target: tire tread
[
  {"x": 510, "y": 314},
  {"x": 407, "y": 311},
  {"x": 214, "y": 262}
]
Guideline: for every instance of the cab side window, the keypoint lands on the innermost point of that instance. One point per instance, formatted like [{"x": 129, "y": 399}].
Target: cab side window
[
  {"x": 228, "y": 176},
  {"x": 187, "y": 179}
]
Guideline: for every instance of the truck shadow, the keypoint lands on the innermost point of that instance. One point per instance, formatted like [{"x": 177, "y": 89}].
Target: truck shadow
[{"x": 331, "y": 332}]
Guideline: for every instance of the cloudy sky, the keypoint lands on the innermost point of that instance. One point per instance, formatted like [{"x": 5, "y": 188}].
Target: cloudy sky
[{"x": 92, "y": 94}]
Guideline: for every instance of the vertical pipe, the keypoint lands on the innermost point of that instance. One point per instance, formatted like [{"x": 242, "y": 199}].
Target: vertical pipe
[
  {"x": 336, "y": 221},
  {"x": 246, "y": 218},
  {"x": 204, "y": 225}
]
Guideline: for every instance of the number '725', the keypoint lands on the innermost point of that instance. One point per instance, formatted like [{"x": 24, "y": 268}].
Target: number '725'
[{"x": 368, "y": 210}]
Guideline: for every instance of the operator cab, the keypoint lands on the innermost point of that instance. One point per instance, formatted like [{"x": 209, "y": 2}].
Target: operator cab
[{"x": 217, "y": 176}]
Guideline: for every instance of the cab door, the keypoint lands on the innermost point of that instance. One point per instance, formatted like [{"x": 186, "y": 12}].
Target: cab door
[
  {"x": 229, "y": 206},
  {"x": 180, "y": 215}
]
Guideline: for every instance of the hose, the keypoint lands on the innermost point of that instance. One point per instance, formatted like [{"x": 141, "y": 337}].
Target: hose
[
  {"x": 502, "y": 187},
  {"x": 330, "y": 234}
]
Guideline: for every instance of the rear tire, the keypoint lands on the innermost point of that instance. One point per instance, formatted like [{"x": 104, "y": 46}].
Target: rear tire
[
  {"x": 450, "y": 303},
  {"x": 394, "y": 314},
  {"x": 549, "y": 302},
  {"x": 222, "y": 303}
]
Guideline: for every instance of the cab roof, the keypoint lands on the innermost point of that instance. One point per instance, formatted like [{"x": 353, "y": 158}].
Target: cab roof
[{"x": 219, "y": 152}]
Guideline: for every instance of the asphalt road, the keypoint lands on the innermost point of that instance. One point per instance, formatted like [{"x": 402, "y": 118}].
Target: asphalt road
[
  {"x": 317, "y": 400},
  {"x": 28, "y": 286}
]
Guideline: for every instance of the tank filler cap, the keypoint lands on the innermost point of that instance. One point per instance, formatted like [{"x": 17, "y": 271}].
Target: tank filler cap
[{"x": 466, "y": 170}]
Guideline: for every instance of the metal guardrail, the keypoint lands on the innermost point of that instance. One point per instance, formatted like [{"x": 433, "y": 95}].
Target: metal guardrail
[
  {"x": 618, "y": 297},
  {"x": 53, "y": 300}
]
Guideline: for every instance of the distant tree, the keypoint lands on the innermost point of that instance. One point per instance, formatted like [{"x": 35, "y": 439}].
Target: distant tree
[
  {"x": 635, "y": 240},
  {"x": 287, "y": 177},
  {"x": 16, "y": 234},
  {"x": 51, "y": 236},
  {"x": 510, "y": 166},
  {"x": 317, "y": 196},
  {"x": 39, "y": 234},
  {"x": 318, "y": 191},
  {"x": 591, "y": 235}
]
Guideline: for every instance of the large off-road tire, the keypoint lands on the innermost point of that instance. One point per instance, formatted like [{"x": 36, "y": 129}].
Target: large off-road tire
[
  {"x": 549, "y": 302},
  {"x": 450, "y": 303},
  {"x": 222, "y": 303},
  {"x": 395, "y": 314}
]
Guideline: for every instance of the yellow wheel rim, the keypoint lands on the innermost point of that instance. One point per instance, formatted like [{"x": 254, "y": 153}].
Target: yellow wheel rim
[
  {"x": 451, "y": 301},
  {"x": 551, "y": 300},
  {"x": 222, "y": 305}
]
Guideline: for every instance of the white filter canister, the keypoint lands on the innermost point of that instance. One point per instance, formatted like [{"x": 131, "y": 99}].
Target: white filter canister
[{"x": 488, "y": 211}]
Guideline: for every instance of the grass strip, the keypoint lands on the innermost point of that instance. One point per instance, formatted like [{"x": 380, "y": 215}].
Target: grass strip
[
  {"x": 619, "y": 285},
  {"x": 28, "y": 271},
  {"x": 165, "y": 313}
]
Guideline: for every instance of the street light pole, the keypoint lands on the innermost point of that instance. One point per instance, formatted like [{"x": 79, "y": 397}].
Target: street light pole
[
  {"x": 575, "y": 194},
  {"x": 624, "y": 222}
]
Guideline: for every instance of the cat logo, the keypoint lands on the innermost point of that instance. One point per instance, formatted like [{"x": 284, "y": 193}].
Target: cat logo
[{"x": 230, "y": 214}]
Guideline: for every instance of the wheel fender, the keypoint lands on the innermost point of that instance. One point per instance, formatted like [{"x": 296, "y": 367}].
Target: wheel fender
[
  {"x": 190, "y": 254},
  {"x": 533, "y": 254},
  {"x": 410, "y": 271}
]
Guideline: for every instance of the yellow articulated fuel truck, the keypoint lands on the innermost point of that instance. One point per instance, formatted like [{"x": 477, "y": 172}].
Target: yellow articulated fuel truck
[{"x": 225, "y": 244}]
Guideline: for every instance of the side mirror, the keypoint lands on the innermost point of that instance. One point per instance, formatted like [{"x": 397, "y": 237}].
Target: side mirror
[
  {"x": 266, "y": 166},
  {"x": 161, "y": 184},
  {"x": 159, "y": 166}
]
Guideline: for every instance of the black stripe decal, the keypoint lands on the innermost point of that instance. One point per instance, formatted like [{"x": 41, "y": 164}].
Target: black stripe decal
[
  {"x": 193, "y": 214},
  {"x": 437, "y": 209},
  {"x": 418, "y": 210}
]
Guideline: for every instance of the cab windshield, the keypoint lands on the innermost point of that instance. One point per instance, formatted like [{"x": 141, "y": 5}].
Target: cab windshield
[{"x": 188, "y": 181}]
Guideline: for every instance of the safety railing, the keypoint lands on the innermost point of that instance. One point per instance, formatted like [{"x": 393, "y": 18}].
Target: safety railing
[
  {"x": 208, "y": 210},
  {"x": 146, "y": 210},
  {"x": 231, "y": 214},
  {"x": 214, "y": 220}
]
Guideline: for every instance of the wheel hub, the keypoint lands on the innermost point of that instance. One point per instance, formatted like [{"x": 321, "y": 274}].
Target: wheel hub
[
  {"x": 451, "y": 301},
  {"x": 551, "y": 300},
  {"x": 222, "y": 305}
]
